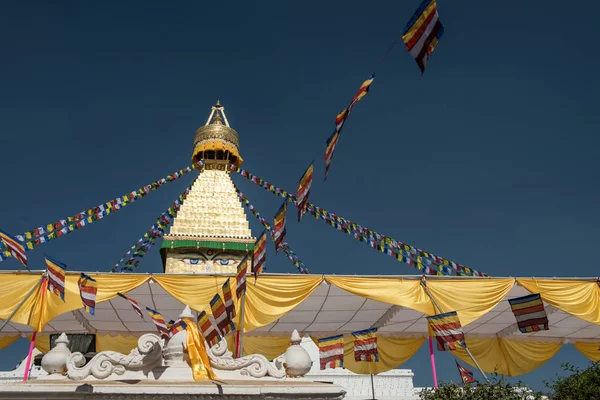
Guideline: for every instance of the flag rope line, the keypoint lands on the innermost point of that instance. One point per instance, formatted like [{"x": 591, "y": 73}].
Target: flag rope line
[
  {"x": 155, "y": 231},
  {"x": 290, "y": 255},
  {"x": 62, "y": 227},
  {"x": 401, "y": 251}
]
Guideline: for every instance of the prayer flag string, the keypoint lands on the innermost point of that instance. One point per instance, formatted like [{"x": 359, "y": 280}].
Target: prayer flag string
[
  {"x": 44, "y": 234},
  {"x": 157, "y": 230},
  {"x": 426, "y": 262},
  {"x": 284, "y": 246}
]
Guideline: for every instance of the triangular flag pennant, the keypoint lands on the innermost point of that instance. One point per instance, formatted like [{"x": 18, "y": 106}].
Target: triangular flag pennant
[{"x": 465, "y": 375}]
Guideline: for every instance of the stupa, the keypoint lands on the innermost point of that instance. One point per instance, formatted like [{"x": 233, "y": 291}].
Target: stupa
[{"x": 210, "y": 233}]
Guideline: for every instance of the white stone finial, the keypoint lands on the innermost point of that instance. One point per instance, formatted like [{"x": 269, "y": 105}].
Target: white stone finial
[
  {"x": 186, "y": 313},
  {"x": 297, "y": 360},
  {"x": 295, "y": 339},
  {"x": 55, "y": 361}
]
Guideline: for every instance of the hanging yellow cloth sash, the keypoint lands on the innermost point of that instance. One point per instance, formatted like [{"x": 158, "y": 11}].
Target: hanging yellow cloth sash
[{"x": 197, "y": 352}]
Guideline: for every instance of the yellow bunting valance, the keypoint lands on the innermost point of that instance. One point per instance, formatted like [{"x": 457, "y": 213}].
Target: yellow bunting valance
[
  {"x": 507, "y": 356},
  {"x": 580, "y": 298},
  {"x": 590, "y": 350},
  {"x": 8, "y": 340},
  {"x": 470, "y": 298},
  {"x": 271, "y": 297}
]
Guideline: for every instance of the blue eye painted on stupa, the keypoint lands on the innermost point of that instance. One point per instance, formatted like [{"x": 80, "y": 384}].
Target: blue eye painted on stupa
[{"x": 192, "y": 261}]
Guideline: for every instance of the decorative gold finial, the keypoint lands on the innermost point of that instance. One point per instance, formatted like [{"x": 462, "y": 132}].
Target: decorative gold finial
[
  {"x": 217, "y": 118},
  {"x": 218, "y": 104}
]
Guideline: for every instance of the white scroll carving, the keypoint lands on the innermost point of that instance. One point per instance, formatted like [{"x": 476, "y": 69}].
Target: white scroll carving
[
  {"x": 146, "y": 356},
  {"x": 255, "y": 365}
]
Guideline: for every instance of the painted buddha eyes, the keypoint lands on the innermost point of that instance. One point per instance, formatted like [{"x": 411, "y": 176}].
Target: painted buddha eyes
[
  {"x": 196, "y": 261},
  {"x": 192, "y": 261}
]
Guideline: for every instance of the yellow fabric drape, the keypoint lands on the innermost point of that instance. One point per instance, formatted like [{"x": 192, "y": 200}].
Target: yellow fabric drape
[
  {"x": 42, "y": 342},
  {"x": 273, "y": 296},
  {"x": 590, "y": 350},
  {"x": 42, "y": 312},
  {"x": 8, "y": 340},
  {"x": 400, "y": 292},
  {"x": 194, "y": 291},
  {"x": 483, "y": 295},
  {"x": 393, "y": 352},
  {"x": 269, "y": 346},
  {"x": 576, "y": 297},
  {"x": 14, "y": 289},
  {"x": 196, "y": 350},
  {"x": 508, "y": 356},
  {"x": 121, "y": 344}
]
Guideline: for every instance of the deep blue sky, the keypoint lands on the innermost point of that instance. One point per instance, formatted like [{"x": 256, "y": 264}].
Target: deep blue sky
[{"x": 489, "y": 159}]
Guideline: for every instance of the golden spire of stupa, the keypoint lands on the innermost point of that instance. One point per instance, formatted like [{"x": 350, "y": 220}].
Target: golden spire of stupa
[
  {"x": 216, "y": 142},
  {"x": 211, "y": 220}
]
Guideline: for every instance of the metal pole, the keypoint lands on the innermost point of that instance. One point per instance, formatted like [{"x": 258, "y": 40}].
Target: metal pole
[
  {"x": 463, "y": 346},
  {"x": 241, "y": 340},
  {"x": 432, "y": 358},
  {"x": 372, "y": 387},
  {"x": 12, "y": 314},
  {"x": 32, "y": 345}
]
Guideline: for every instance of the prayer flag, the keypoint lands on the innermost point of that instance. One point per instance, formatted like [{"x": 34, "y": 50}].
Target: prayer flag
[
  {"x": 304, "y": 190},
  {"x": 260, "y": 254},
  {"x": 530, "y": 313},
  {"x": 87, "y": 290},
  {"x": 229, "y": 306},
  {"x": 159, "y": 322},
  {"x": 56, "y": 277},
  {"x": 340, "y": 119},
  {"x": 279, "y": 229},
  {"x": 362, "y": 92},
  {"x": 175, "y": 327},
  {"x": 134, "y": 304},
  {"x": 16, "y": 249},
  {"x": 465, "y": 374},
  {"x": 447, "y": 330},
  {"x": 365, "y": 345},
  {"x": 209, "y": 332},
  {"x": 240, "y": 278},
  {"x": 331, "y": 143},
  {"x": 220, "y": 314},
  {"x": 331, "y": 352},
  {"x": 422, "y": 33}
]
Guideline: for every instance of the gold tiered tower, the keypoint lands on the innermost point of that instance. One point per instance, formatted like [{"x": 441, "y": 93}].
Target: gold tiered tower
[{"x": 210, "y": 233}]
